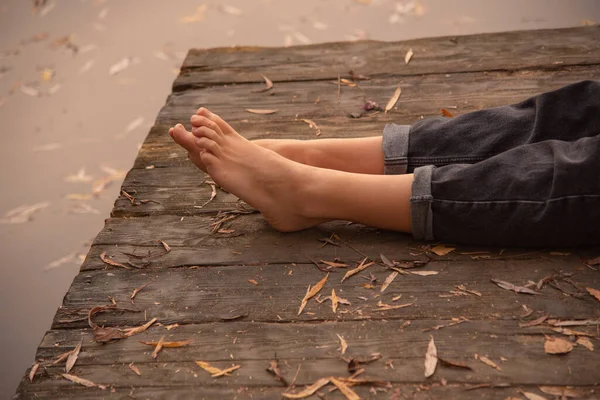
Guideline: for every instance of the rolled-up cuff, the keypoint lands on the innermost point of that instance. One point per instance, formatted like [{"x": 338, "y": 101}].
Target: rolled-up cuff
[
  {"x": 420, "y": 204},
  {"x": 395, "y": 149}
]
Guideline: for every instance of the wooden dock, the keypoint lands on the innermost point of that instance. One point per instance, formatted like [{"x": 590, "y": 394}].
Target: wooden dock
[{"x": 224, "y": 280}]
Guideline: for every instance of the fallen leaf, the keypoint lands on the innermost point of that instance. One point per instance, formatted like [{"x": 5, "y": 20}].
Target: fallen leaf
[
  {"x": 585, "y": 342},
  {"x": 489, "y": 362},
  {"x": 308, "y": 391},
  {"x": 216, "y": 372},
  {"x": 347, "y": 82},
  {"x": 312, "y": 292},
  {"x": 137, "y": 290},
  {"x": 268, "y": 85},
  {"x": 334, "y": 301},
  {"x": 535, "y": 322},
  {"x": 22, "y": 214},
  {"x": 213, "y": 193},
  {"x": 344, "y": 389},
  {"x": 471, "y": 291},
  {"x": 393, "y": 100},
  {"x": 252, "y": 281},
  {"x": 168, "y": 345},
  {"x": 424, "y": 273},
  {"x": 408, "y": 56},
  {"x": 355, "y": 363},
  {"x": 72, "y": 359},
  {"x": 453, "y": 364},
  {"x": 33, "y": 371},
  {"x": 260, "y": 111},
  {"x": 594, "y": 292},
  {"x": 105, "y": 335},
  {"x": 533, "y": 396},
  {"x": 158, "y": 347},
  {"x": 385, "y": 307},
  {"x": 570, "y": 332},
  {"x": 139, "y": 329},
  {"x": 430, "y": 358},
  {"x": 312, "y": 124},
  {"x": 358, "y": 269},
  {"x": 197, "y": 16},
  {"x": 584, "y": 322},
  {"x": 334, "y": 264},
  {"x": 517, "y": 289},
  {"x": 442, "y": 250},
  {"x": 343, "y": 344},
  {"x": 387, "y": 261},
  {"x": 388, "y": 280},
  {"x": 108, "y": 261},
  {"x": 274, "y": 369},
  {"x": 561, "y": 391},
  {"x": 135, "y": 369},
  {"x": 165, "y": 246},
  {"x": 83, "y": 382}
]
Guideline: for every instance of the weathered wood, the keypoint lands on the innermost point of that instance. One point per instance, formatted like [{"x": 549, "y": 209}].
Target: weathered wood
[{"x": 547, "y": 48}]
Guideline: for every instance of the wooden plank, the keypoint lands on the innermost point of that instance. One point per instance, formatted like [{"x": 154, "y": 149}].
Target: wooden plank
[
  {"x": 198, "y": 295},
  {"x": 547, "y": 48}
]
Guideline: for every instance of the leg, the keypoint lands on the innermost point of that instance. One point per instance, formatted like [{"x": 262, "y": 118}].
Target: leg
[
  {"x": 294, "y": 196},
  {"x": 540, "y": 194}
]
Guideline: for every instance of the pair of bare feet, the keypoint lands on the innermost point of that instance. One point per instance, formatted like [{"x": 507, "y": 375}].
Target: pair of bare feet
[{"x": 298, "y": 184}]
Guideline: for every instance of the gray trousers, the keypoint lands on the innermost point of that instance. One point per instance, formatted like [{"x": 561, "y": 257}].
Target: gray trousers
[{"x": 526, "y": 174}]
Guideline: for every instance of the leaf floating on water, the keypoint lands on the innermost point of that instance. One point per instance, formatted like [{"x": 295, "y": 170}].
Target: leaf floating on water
[
  {"x": 83, "y": 382},
  {"x": 72, "y": 359},
  {"x": 557, "y": 345},
  {"x": 231, "y": 10},
  {"x": 103, "y": 13},
  {"x": 312, "y": 124},
  {"x": 61, "y": 261},
  {"x": 260, "y": 111},
  {"x": 408, "y": 56},
  {"x": 594, "y": 292},
  {"x": 509, "y": 286},
  {"x": 30, "y": 91},
  {"x": 388, "y": 280},
  {"x": 430, "y": 358},
  {"x": 135, "y": 369},
  {"x": 136, "y": 123},
  {"x": 139, "y": 329},
  {"x": 216, "y": 372},
  {"x": 108, "y": 261},
  {"x": 344, "y": 389},
  {"x": 393, "y": 100},
  {"x": 33, "y": 371},
  {"x": 334, "y": 301},
  {"x": 585, "y": 342},
  {"x": 168, "y": 345},
  {"x": 446, "y": 113},
  {"x": 80, "y": 176},
  {"x": 120, "y": 66},
  {"x": 488, "y": 362},
  {"x": 424, "y": 273},
  {"x": 343, "y": 344},
  {"x": 312, "y": 292},
  {"x": 268, "y": 85},
  {"x": 442, "y": 250},
  {"x": 274, "y": 369},
  {"x": 358, "y": 269},
  {"x": 308, "y": 391},
  {"x": 195, "y": 17},
  {"x": 22, "y": 214},
  {"x": 47, "y": 74}
]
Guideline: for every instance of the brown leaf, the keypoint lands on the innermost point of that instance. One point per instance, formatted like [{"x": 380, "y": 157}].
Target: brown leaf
[
  {"x": 158, "y": 347},
  {"x": 72, "y": 359},
  {"x": 471, "y": 291},
  {"x": 388, "y": 280},
  {"x": 593, "y": 261},
  {"x": 570, "y": 332},
  {"x": 166, "y": 246},
  {"x": 135, "y": 369},
  {"x": 261, "y": 112},
  {"x": 488, "y": 362},
  {"x": 137, "y": 290},
  {"x": 585, "y": 342},
  {"x": 509, "y": 286},
  {"x": 216, "y": 372},
  {"x": 334, "y": 264},
  {"x": 139, "y": 329},
  {"x": 312, "y": 124},
  {"x": 393, "y": 99},
  {"x": 253, "y": 281},
  {"x": 312, "y": 292},
  {"x": 533, "y": 396},
  {"x": 354, "y": 363},
  {"x": 446, "y": 113},
  {"x": 334, "y": 301},
  {"x": 358, "y": 269},
  {"x": 268, "y": 85},
  {"x": 535, "y": 322},
  {"x": 442, "y": 250},
  {"x": 430, "y": 358},
  {"x": 387, "y": 261},
  {"x": 344, "y": 389},
  {"x": 408, "y": 56},
  {"x": 105, "y": 335},
  {"x": 33, "y": 371},
  {"x": 424, "y": 273},
  {"x": 557, "y": 345},
  {"x": 561, "y": 391},
  {"x": 583, "y": 322},
  {"x": 168, "y": 344},
  {"x": 453, "y": 364},
  {"x": 308, "y": 391},
  {"x": 274, "y": 369},
  {"x": 343, "y": 344},
  {"x": 83, "y": 382},
  {"x": 108, "y": 261},
  {"x": 594, "y": 292},
  {"x": 386, "y": 307},
  {"x": 347, "y": 82},
  {"x": 213, "y": 193}
]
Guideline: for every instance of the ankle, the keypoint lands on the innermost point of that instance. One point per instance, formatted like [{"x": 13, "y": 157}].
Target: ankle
[{"x": 294, "y": 150}]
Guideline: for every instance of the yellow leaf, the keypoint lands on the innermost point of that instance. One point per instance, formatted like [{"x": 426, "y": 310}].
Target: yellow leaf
[
  {"x": 356, "y": 270},
  {"x": 343, "y": 344},
  {"x": 393, "y": 100},
  {"x": 308, "y": 391},
  {"x": 261, "y": 112},
  {"x": 346, "y": 391},
  {"x": 557, "y": 346},
  {"x": 594, "y": 292},
  {"x": 388, "y": 281},
  {"x": 442, "y": 250},
  {"x": 430, "y": 358},
  {"x": 312, "y": 292},
  {"x": 334, "y": 301}
]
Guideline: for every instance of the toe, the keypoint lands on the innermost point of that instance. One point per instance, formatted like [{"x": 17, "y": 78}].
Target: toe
[
  {"x": 208, "y": 144},
  {"x": 225, "y": 127},
  {"x": 183, "y": 138},
  {"x": 199, "y": 121},
  {"x": 204, "y": 131}
]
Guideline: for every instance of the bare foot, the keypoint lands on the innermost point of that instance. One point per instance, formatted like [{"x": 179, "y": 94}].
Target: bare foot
[{"x": 262, "y": 178}]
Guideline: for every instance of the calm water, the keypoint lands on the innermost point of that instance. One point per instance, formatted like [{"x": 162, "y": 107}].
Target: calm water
[{"x": 68, "y": 114}]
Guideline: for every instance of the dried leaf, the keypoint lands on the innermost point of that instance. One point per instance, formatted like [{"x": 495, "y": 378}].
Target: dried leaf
[
  {"x": 268, "y": 85},
  {"x": 471, "y": 291},
  {"x": 424, "y": 273},
  {"x": 343, "y": 344},
  {"x": 72, "y": 359},
  {"x": 135, "y": 369},
  {"x": 261, "y": 111},
  {"x": 334, "y": 264},
  {"x": 308, "y": 391},
  {"x": 347, "y": 82},
  {"x": 388, "y": 280},
  {"x": 216, "y": 372},
  {"x": 453, "y": 364},
  {"x": 139, "y": 329},
  {"x": 108, "y": 261},
  {"x": 252, "y": 281},
  {"x": 358, "y": 269},
  {"x": 385, "y": 307},
  {"x": 489, "y": 362},
  {"x": 533, "y": 396},
  {"x": 535, "y": 322},
  {"x": 561, "y": 391},
  {"x": 274, "y": 369},
  {"x": 570, "y": 332},
  {"x": 408, "y": 56},
  {"x": 312, "y": 124},
  {"x": 354, "y": 363},
  {"x": 430, "y": 358},
  {"x": 158, "y": 347},
  {"x": 168, "y": 345},
  {"x": 585, "y": 342},
  {"x": 446, "y": 113},
  {"x": 584, "y": 322},
  {"x": 83, "y": 382},
  {"x": 213, "y": 193},
  {"x": 312, "y": 292},
  {"x": 517, "y": 289},
  {"x": 393, "y": 100},
  {"x": 557, "y": 345},
  {"x": 442, "y": 250},
  {"x": 137, "y": 290},
  {"x": 344, "y": 389},
  {"x": 105, "y": 335},
  {"x": 80, "y": 176},
  {"x": 33, "y": 371},
  {"x": 334, "y": 301},
  {"x": 594, "y": 292},
  {"x": 387, "y": 261}
]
